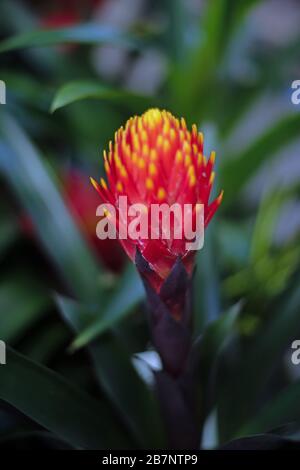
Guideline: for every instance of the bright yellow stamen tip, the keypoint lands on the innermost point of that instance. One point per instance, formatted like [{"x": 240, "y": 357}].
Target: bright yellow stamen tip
[
  {"x": 166, "y": 146},
  {"x": 94, "y": 183},
  {"x": 186, "y": 147},
  {"x": 161, "y": 193},
  {"x": 103, "y": 183},
  {"x": 119, "y": 186},
  {"x": 192, "y": 180},
  {"x": 220, "y": 197},
  {"x": 149, "y": 184},
  {"x": 172, "y": 134},
  {"x": 123, "y": 172},
  {"x": 179, "y": 156},
  {"x": 183, "y": 123},
  {"x": 212, "y": 178},
  {"x": 152, "y": 169},
  {"x": 153, "y": 154},
  {"x": 106, "y": 167},
  {"x": 141, "y": 163},
  {"x": 213, "y": 157},
  {"x": 160, "y": 140},
  {"x": 145, "y": 150},
  {"x": 188, "y": 160}
]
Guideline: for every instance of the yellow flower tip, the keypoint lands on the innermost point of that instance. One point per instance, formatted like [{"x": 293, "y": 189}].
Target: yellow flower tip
[
  {"x": 152, "y": 169},
  {"x": 212, "y": 177},
  {"x": 179, "y": 156},
  {"x": 212, "y": 157},
  {"x": 200, "y": 159},
  {"x": 192, "y": 180},
  {"x": 141, "y": 163},
  {"x": 161, "y": 193},
  {"x": 153, "y": 154},
  {"x": 166, "y": 145},
  {"x": 119, "y": 186},
  {"x": 94, "y": 183},
  {"x": 183, "y": 123},
  {"x": 123, "y": 172},
  {"x": 188, "y": 160},
  {"x": 103, "y": 183},
  {"x": 220, "y": 197},
  {"x": 149, "y": 184},
  {"x": 153, "y": 115}
]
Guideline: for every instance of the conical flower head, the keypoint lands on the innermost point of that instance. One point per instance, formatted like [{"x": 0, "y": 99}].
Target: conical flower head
[{"x": 156, "y": 160}]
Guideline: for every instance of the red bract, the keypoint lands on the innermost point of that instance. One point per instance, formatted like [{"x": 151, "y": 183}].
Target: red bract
[{"x": 155, "y": 159}]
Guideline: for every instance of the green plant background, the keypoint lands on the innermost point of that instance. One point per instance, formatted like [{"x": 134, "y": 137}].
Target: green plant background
[{"x": 73, "y": 328}]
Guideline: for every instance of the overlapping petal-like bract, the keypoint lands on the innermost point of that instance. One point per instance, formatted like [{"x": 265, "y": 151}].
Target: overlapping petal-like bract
[{"x": 156, "y": 159}]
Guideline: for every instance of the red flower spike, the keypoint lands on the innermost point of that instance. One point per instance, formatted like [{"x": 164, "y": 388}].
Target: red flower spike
[{"x": 155, "y": 159}]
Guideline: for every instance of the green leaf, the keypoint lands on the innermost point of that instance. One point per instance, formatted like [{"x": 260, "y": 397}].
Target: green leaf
[
  {"x": 43, "y": 345},
  {"x": 242, "y": 382},
  {"x": 8, "y": 231},
  {"x": 118, "y": 378},
  {"x": 21, "y": 304},
  {"x": 28, "y": 176},
  {"x": 79, "y": 90},
  {"x": 58, "y": 406},
  {"x": 175, "y": 32},
  {"x": 128, "y": 293},
  {"x": 206, "y": 284},
  {"x": 265, "y": 224},
  {"x": 237, "y": 170},
  {"x": 196, "y": 81},
  {"x": 209, "y": 347},
  {"x": 281, "y": 410},
  {"x": 89, "y": 34}
]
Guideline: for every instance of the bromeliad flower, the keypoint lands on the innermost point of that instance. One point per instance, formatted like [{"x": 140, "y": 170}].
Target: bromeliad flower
[{"x": 156, "y": 160}]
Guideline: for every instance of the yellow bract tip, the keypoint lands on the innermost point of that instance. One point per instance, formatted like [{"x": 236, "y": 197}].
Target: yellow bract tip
[
  {"x": 149, "y": 183},
  {"x": 119, "y": 186},
  {"x": 94, "y": 183},
  {"x": 220, "y": 197},
  {"x": 161, "y": 193},
  {"x": 103, "y": 183},
  {"x": 152, "y": 169},
  {"x": 212, "y": 157}
]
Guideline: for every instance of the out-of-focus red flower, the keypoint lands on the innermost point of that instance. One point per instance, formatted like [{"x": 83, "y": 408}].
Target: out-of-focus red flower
[
  {"x": 82, "y": 202},
  {"x": 60, "y": 19},
  {"x": 155, "y": 159},
  {"x": 68, "y": 12}
]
